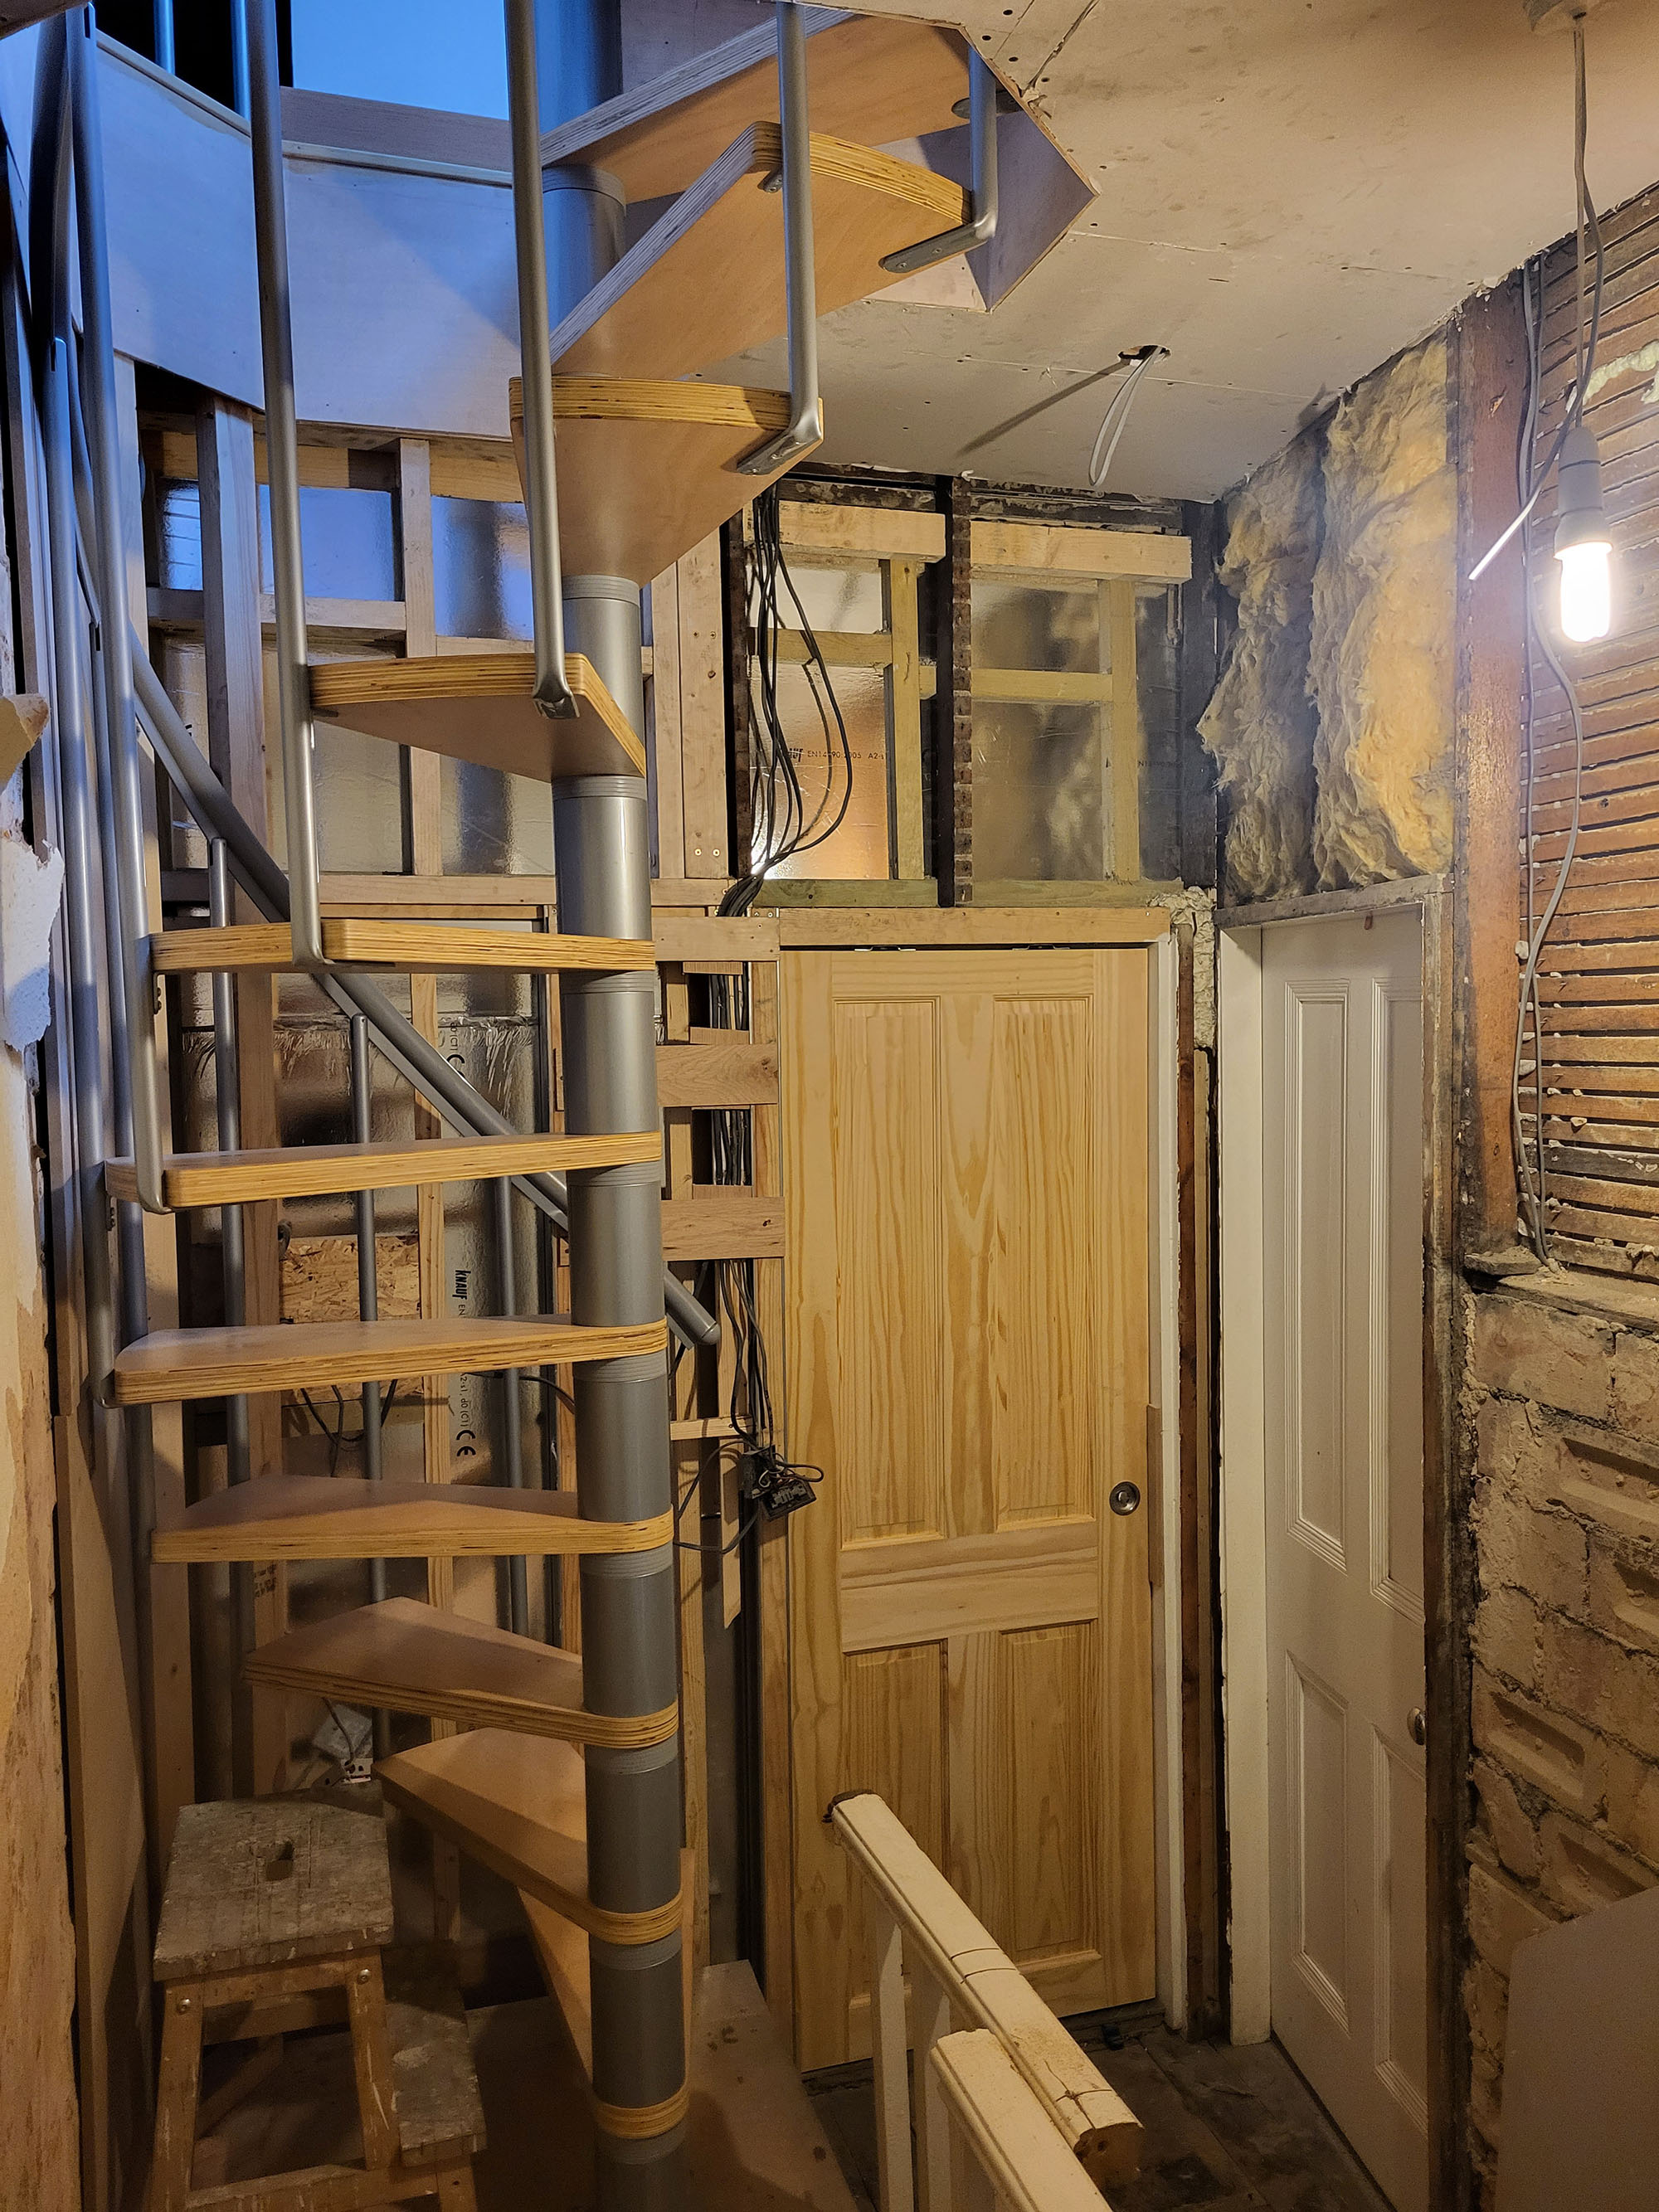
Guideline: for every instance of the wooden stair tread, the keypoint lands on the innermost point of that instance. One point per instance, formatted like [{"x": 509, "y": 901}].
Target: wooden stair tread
[
  {"x": 873, "y": 77},
  {"x": 435, "y": 2085},
  {"x": 669, "y": 306},
  {"x": 562, "y": 1950},
  {"x": 514, "y": 1802},
  {"x": 647, "y": 467},
  {"x": 480, "y": 706},
  {"x": 320, "y": 1517},
  {"x": 267, "y": 1882},
  {"x": 415, "y": 948},
  {"x": 311, "y": 1170},
  {"x": 415, "y": 1658},
  {"x": 171, "y": 1365}
]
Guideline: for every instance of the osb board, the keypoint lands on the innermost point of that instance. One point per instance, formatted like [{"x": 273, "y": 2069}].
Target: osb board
[
  {"x": 38, "y": 2118},
  {"x": 319, "y": 1278}
]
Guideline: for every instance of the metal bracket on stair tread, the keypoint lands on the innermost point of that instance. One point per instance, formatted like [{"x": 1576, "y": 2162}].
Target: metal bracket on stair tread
[
  {"x": 983, "y": 92},
  {"x": 805, "y": 432},
  {"x": 553, "y": 694}
]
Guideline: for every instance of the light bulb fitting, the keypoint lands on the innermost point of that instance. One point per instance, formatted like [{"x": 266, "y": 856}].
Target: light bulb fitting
[{"x": 1583, "y": 545}]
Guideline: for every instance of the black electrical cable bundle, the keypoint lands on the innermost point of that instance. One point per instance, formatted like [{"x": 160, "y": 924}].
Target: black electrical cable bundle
[
  {"x": 749, "y": 1402},
  {"x": 780, "y": 826},
  {"x": 1530, "y": 479}
]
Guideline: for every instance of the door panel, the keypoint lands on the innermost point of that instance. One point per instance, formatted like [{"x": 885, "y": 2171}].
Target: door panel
[
  {"x": 966, "y": 1156},
  {"x": 1343, "y": 1335}
]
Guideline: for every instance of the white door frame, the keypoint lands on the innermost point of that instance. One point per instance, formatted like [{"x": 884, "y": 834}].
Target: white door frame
[{"x": 1242, "y": 1387}]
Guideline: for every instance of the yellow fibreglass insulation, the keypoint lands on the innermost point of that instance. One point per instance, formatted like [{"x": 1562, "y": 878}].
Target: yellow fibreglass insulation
[
  {"x": 1380, "y": 663},
  {"x": 1260, "y": 724}
]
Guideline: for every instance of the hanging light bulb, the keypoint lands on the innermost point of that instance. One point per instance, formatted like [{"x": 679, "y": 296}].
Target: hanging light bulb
[{"x": 1582, "y": 545}]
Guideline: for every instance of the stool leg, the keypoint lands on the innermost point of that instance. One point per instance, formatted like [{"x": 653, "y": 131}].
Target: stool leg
[
  {"x": 455, "y": 2190},
  {"x": 371, "y": 2054},
  {"x": 177, "y": 2093}
]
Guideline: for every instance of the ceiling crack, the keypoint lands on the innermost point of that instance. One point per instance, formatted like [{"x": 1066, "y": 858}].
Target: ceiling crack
[{"x": 1064, "y": 40}]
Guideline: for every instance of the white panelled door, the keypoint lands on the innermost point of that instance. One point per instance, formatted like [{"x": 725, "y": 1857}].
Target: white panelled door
[{"x": 1342, "y": 1070}]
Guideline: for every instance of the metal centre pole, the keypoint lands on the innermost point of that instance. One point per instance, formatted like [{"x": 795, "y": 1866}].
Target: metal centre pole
[{"x": 608, "y": 1032}]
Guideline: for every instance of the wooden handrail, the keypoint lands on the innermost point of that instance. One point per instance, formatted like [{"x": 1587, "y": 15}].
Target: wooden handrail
[
  {"x": 960, "y": 1978},
  {"x": 1017, "y": 2160}
]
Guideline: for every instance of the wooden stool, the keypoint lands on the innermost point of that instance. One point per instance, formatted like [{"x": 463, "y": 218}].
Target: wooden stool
[{"x": 273, "y": 1918}]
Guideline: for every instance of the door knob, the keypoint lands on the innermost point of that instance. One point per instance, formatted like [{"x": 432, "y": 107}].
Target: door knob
[
  {"x": 1417, "y": 1725},
  {"x": 1125, "y": 1498}
]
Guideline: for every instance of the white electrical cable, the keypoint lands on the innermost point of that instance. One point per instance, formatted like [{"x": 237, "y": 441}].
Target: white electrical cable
[
  {"x": 1530, "y": 1167},
  {"x": 1117, "y": 413}
]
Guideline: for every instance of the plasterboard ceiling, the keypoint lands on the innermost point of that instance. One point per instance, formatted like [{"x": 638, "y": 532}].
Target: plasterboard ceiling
[{"x": 1290, "y": 190}]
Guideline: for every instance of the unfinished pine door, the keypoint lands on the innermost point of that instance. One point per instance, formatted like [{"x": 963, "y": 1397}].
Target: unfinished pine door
[
  {"x": 966, "y": 1171},
  {"x": 1342, "y": 1067}
]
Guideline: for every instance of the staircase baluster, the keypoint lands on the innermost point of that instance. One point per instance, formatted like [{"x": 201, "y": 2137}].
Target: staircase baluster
[
  {"x": 806, "y": 426},
  {"x": 980, "y": 226},
  {"x": 283, "y": 474},
  {"x": 225, "y": 1073},
  {"x": 136, "y": 1049}
]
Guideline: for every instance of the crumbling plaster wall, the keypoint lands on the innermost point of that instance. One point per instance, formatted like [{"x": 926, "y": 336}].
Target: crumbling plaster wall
[
  {"x": 1564, "y": 1406},
  {"x": 1332, "y": 724}
]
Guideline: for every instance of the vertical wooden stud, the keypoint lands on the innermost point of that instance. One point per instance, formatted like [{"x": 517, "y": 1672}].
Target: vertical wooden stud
[
  {"x": 689, "y": 1465},
  {"x": 703, "y": 711},
  {"x": 734, "y": 543},
  {"x": 776, "y": 1783},
  {"x": 415, "y": 530},
  {"x": 426, "y": 855},
  {"x": 1124, "y": 752},
  {"x": 172, "y": 1762},
  {"x": 234, "y": 655},
  {"x": 665, "y": 725},
  {"x": 904, "y": 717},
  {"x": 953, "y": 777}
]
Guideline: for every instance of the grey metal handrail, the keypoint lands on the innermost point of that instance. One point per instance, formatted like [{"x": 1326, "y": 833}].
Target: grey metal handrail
[
  {"x": 541, "y": 488},
  {"x": 805, "y": 430},
  {"x": 980, "y": 226},
  {"x": 282, "y": 473},
  {"x": 115, "y": 656}
]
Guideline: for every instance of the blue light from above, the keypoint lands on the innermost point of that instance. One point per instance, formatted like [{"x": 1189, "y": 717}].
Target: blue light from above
[{"x": 419, "y": 53}]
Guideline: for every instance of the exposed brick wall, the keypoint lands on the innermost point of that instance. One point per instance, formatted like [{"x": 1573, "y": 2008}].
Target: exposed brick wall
[{"x": 1565, "y": 1410}]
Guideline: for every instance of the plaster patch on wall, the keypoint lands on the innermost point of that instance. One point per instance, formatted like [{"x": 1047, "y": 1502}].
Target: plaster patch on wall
[
  {"x": 1625, "y": 364},
  {"x": 1259, "y": 725},
  {"x": 1380, "y": 660},
  {"x": 29, "y": 891}
]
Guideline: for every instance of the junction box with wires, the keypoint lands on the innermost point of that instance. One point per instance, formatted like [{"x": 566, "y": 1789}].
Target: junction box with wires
[{"x": 767, "y": 1480}]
